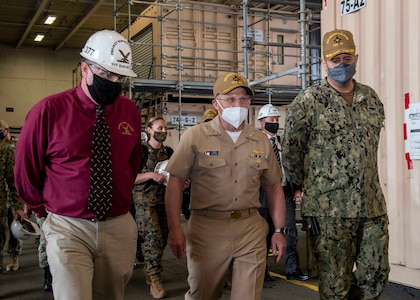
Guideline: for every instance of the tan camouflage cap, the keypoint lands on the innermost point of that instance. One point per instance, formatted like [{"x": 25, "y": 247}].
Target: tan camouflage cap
[
  {"x": 228, "y": 82},
  {"x": 337, "y": 42}
]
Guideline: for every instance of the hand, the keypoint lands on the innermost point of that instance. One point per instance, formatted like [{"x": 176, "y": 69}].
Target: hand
[
  {"x": 298, "y": 200},
  {"x": 298, "y": 197},
  {"x": 20, "y": 215},
  {"x": 159, "y": 178},
  {"x": 278, "y": 246},
  {"x": 187, "y": 183},
  {"x": 176, "y": 241}
]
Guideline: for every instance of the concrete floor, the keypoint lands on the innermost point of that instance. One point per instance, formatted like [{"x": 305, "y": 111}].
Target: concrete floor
[{"x": 26, "y": 283}]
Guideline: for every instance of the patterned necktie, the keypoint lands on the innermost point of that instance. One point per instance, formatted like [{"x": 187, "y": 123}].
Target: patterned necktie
[
  {"x": 273, "y": 140},
  {"x": 100, "y": 191},
  {"x": 276, "y": 149}
]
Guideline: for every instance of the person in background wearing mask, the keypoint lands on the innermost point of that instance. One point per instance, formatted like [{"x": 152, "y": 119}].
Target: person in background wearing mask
[
  {"x": 149, "y": 201},
  {"x": 10, "y": 206},
  {"x": 227, "y": 161},
  {"x": 90, "y": 246},
  {"x": 268, "y": 116},
  {"x": 330, "y": 152}
]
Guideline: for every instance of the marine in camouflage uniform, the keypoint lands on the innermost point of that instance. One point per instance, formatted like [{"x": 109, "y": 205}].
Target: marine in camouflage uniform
[
  {"x": 8, "y": 194},
  {"x": 14, "y": 247},
  {"x": 330, "y": 149},
  {"x": 150, "y": 215}
]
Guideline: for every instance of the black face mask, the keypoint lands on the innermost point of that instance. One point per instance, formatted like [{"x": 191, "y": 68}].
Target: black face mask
[
  {"x": 104, "y": 91},
  {"x": 271, "y": 127}
]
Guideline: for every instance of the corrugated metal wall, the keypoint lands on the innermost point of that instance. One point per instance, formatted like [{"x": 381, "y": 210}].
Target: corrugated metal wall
[
  {"x": 387, "y": 36},
  {"x": 143, "y": 57}
]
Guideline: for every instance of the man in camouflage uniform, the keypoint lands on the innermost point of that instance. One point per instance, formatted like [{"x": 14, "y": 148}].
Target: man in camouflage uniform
[
  {"x": 42, "y": 257},
  {"x": 330, "y": 151},
  {"x": 9, "y": 199},
  {"x": 149, "y": 201}
]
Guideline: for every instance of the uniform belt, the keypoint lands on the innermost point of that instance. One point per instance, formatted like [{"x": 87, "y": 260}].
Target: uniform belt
[{"x": 233, "y": 214}]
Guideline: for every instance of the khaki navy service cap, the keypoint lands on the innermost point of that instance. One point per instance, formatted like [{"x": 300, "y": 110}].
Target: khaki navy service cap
[
  {"x": 228, "y": 82},
  {"x": 336, "y": 42},
  {"x": 209, "y": 114}
]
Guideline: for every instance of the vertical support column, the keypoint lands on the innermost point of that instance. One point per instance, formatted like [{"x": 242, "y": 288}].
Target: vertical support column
[
  {"x": 303, "y": 58},
  {"x": 246, "y": 43},
  {"x": 180, "y": 68},
  {"x": 130, "y": 89}
]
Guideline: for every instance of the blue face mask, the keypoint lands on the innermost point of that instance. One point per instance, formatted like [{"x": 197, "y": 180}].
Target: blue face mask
[{"x": 342, "y": 73}]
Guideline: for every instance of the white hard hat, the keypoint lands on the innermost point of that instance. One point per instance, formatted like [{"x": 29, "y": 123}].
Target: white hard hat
[
  {"x": 110, "y": 50},
  {"x": 144, "y": 137},
  {"x": 24, "y": 229},
  {"x": 161, "y": 169},
  {"x": 268, "y": 110}
]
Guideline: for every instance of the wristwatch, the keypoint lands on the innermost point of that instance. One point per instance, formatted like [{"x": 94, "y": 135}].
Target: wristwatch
[{"x": 284, "y": 231}]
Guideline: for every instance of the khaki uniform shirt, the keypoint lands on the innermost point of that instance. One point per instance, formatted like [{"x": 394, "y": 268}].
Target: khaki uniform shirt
[{"x": 224, "y": 175}]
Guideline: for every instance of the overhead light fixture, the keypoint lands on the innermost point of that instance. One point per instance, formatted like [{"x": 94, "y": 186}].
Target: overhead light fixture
[
  {"x": 39, "y": 37},
  {"x": 50, "y": 19}
]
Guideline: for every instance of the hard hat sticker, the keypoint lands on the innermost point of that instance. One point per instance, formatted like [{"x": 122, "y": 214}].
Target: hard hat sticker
[{"x": 124, "y": 55}]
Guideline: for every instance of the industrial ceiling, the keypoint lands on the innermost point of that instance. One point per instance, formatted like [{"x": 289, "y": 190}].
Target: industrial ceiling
[{"x": 22, "y": 20}]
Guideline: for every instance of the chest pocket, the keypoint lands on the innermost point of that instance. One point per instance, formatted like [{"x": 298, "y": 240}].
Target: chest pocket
[
  {"x": 258, "y": 166},
  {"x": 211, "y": 163}
]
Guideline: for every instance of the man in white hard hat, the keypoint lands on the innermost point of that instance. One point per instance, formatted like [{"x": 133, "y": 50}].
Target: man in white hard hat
[
  {"x": 268, "y": 116},
  {"x": 61, "y": 173}
]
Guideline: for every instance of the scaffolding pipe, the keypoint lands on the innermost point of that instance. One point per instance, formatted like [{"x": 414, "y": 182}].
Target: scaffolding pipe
[
  {"x": 180, "y": 84},
  {"x": 302, "y": 22},
  {"x": 130, "y": 90},
  {"x": 274, "y": 76},
  {"x": 246, "y": 43},
  {"x": 269, "y": 53}
]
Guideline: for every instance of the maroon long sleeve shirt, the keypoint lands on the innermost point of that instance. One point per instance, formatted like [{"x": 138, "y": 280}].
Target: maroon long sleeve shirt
[{"x": 52, "y": 167}]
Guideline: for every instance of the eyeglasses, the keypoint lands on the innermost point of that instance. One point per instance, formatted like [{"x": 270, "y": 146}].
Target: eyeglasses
[
  {"x": 232, "y": 100},
  {"x": 108, "y": 75}
]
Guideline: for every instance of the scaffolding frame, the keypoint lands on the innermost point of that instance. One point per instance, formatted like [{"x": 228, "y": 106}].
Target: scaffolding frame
[{"x": 152, "y": 95}]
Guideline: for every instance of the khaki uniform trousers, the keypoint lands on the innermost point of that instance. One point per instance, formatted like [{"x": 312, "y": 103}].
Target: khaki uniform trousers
[
  {"x": 90, "y": 260},
  {"x": 216, "y": 245}
]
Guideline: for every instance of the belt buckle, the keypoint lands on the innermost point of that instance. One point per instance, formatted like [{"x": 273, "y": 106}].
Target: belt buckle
[{"x": 235, "y": 214}]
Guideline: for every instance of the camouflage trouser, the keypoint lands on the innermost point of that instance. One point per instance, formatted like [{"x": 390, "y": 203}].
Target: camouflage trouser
[
  {"x": 3, "y": 229},
  {"x": 153, "y": 228},
  {"x": 352, "y": 257},
  {"x": 42, "y": 251}
]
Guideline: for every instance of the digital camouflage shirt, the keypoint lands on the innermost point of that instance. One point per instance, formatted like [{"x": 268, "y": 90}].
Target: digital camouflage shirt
[
  {"x": 151, "y": 193},
  {"x": 330, "y": 148},
  {"x": 8, "y": 194}
]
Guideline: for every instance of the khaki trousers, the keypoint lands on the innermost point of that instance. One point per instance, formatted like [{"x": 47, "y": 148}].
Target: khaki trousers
[
  {"x": 90, "y": 260},
  {"x": 218, "y": 245}
]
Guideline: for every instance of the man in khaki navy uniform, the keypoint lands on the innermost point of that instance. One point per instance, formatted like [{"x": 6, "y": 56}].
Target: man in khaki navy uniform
[
  {"x": 227, "y": 161},
  {"x": 330, "y": 149}
]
